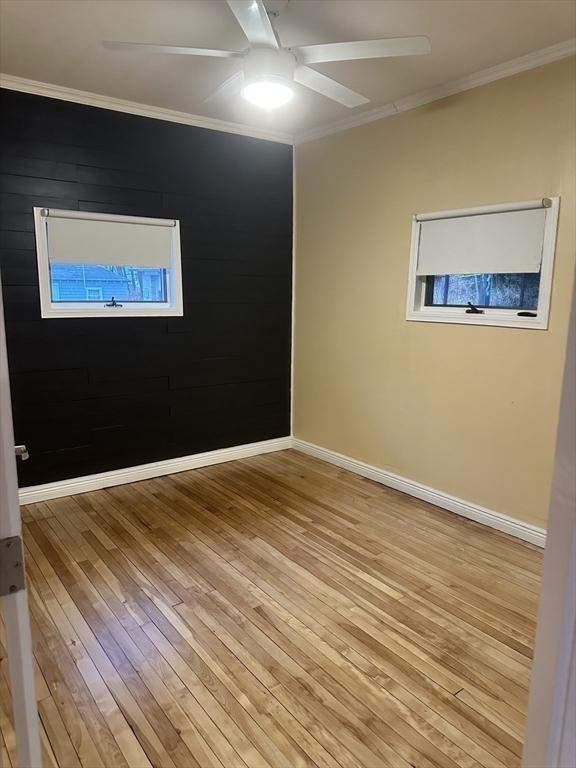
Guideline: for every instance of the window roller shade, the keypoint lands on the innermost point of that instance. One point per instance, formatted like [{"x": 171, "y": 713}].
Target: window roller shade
[
  {"x": 117, "y": 243},
  {"x": 507, "y": 242}
]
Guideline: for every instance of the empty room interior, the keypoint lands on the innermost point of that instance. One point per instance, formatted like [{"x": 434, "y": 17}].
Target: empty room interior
[{"x": 287, "y": 405}]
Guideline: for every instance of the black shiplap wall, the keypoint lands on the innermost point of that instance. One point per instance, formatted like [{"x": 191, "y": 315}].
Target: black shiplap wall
[{"x": 95, "y": 394}]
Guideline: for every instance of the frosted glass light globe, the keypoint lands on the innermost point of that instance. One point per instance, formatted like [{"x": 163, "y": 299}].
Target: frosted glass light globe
[{"x": 267, "y": 94}]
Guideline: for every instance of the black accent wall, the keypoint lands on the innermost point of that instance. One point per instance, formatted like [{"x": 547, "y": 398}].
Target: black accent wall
[{"x": 96, "y": 394}]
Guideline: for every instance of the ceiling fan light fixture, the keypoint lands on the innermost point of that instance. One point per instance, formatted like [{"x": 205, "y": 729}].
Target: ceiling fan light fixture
[
  {"x": 269, "y": 69},
  {"x": 268, "y": 93}
]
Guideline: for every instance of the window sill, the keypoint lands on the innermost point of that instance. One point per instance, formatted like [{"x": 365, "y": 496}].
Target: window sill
[
  {"x": 80, "y": 312},
  {"x": 502, "y": 319}
]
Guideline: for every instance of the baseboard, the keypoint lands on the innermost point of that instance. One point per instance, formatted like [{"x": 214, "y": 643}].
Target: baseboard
[
  {"x": 525, "y": 531},
  {"x": 35, "y": 493},
  {"x": 511, "y": 525}
]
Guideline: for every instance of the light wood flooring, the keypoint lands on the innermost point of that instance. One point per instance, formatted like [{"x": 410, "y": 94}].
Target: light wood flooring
[{"x": 274, "y": 612}]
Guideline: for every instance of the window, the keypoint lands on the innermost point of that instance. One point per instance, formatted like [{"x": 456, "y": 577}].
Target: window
[
  {"x": 101, "y": 265},
  {"x": 485, "y": 266},
  {"x": 499, "y": 291},
  {"x": 92, "y": 294},
  {"x": 101, "y": 282}
]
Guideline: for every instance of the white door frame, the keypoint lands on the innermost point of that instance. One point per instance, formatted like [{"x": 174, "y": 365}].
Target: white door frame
[
  {"x": 550, "y": 738},
  {"x": 15, "y": 605}
]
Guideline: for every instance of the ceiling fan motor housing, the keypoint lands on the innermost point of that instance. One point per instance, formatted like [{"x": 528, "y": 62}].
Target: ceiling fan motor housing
[{"x": 269, "y": 64}]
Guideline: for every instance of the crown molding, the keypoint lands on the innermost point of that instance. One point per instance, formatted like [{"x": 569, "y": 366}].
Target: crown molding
[
  {"x": 483, "y": 77},
  {"x": 14, "y": 83}
]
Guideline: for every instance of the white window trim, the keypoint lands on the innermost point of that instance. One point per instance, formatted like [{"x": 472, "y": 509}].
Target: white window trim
[
  {"x": 417, "y": 310},
  {"x": 50, "y": 309}
]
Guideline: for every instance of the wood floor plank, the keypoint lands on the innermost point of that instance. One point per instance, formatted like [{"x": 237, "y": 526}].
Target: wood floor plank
[
  {"x": 274, "y": 612},
  {"x": 505, "y": 758}
]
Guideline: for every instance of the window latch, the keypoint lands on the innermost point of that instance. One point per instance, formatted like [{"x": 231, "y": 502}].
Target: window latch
[
  {"x": 473, "y": 310},
  {"x": 113, "y": 303}
]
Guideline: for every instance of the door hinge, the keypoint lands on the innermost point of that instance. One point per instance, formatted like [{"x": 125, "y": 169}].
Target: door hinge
[{"x": 12, "y": 577}]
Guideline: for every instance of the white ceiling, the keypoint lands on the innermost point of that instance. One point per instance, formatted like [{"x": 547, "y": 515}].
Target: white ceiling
[{"x": 59, "y": 42}]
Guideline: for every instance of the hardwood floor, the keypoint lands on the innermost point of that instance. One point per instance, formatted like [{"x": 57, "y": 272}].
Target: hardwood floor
[{"x": 274, "y": 612}]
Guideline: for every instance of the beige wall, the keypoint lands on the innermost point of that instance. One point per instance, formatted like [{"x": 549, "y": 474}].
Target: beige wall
[{"x": 470, "y": 411}]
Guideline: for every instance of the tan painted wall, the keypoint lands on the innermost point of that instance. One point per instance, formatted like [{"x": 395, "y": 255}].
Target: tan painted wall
[{"x": 471, "y": 411}]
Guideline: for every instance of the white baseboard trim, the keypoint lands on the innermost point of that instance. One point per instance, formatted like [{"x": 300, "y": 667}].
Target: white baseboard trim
[
  {"x": 525, "y": 531},
  {"x": 34, "y": 493},
  {"x": 511, "y": 525}
]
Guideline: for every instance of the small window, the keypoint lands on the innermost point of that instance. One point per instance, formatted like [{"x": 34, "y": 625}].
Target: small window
[
  {"x": 101, "y": 265},
  {"x": 490, "y": 265},
  {"x": 92, "y": 294},
  {"x": 498, "y": 291},
  {"x": 102, "y": 282}
]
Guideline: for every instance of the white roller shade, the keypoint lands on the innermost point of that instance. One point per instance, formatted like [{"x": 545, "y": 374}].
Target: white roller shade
[
  {"x": 509, "y": 241},
  {"x": 108, "y": 241}
]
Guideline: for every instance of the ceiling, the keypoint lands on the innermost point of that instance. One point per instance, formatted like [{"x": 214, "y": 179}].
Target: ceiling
[{"x": 59, "y": 42}]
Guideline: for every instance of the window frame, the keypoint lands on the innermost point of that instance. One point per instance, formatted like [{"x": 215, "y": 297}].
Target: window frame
[
  {"x": 58, "y": 309},
  {"x": 416, "y": 308}
]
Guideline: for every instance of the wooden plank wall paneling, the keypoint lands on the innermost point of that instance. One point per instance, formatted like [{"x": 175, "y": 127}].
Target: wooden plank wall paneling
[{"x": 92, "y": 394}]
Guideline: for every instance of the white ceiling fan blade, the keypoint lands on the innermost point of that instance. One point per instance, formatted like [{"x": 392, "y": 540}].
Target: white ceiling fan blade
[
  {"x": 117, "y": 45},
  {"x": 328, "y": 87},
  {"x": 363, "y": 49},
  {"x": 229, "y": 87},
  {"x": 252, "y": 17}
]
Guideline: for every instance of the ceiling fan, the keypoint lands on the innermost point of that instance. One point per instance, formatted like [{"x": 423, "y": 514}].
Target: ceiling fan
[{"x": 270, "y": 70}]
